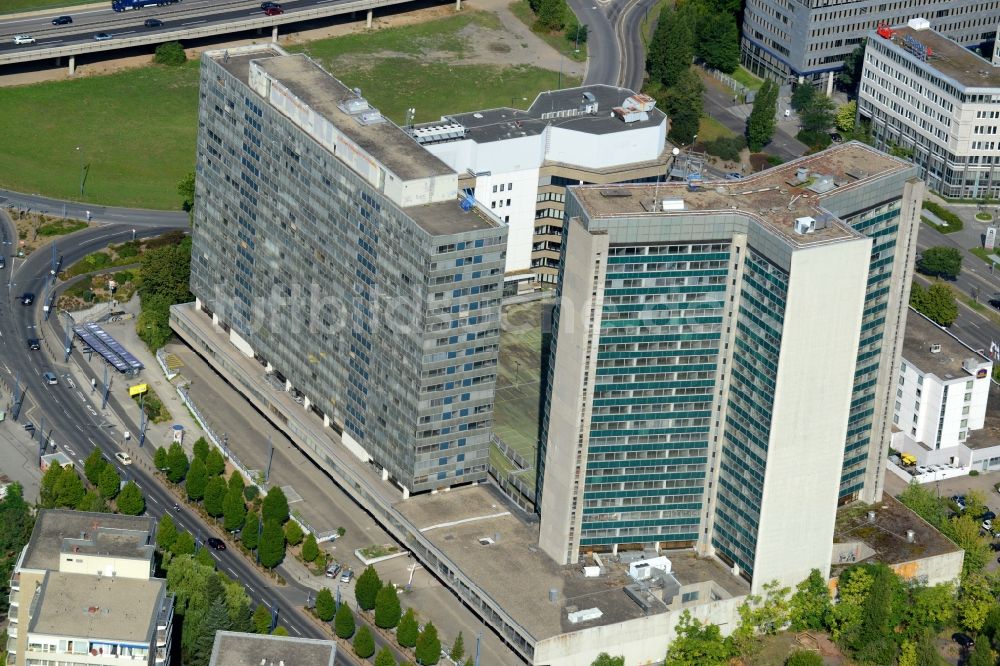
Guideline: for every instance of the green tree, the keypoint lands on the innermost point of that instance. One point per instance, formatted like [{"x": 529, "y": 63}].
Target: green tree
[
  {"x": 407, "y": 631},
  {"x": 926, "y": 650},
  {"x": 200, "y": 448},
  {"x": 672, "y": 50},
  {"x": 69, "y": 490},
  {"x": 845, "y": 117},
  {"x": 343, "y": 622},
  {"x": 250, "y": 531},
  {"x": 849, "y": 77},
  {"x": 656, "y": 52},
  {"x": 975, "y": 599},
  {"x": 204, "y": 557},
  {"x": 384, "y": 657},
  {"x": 92, "y": 501},
  {"x": 982, "y": 653},
  {"x": 940, "y": 261},
  {"x": 272, "y": 544},
  {"x": 684, "y": 105},
  {"x": 364, "y": 644},
  {"x": 110, "y": 482},
  {"x": 428, "y": 650},
  {"x": 936, "y": 303},
  {"x": 166, "y": 532},
  {"x": 170, "y": 53},
  {"x": 261, "y": 620},
  {"x": 816, "y": 121},
  {"x": 215, "y": 496},
  {"x": 293, "y": 533},
  {"x": 275, "y": 506},
  {"x": 873, "y": 639},
  {"x": 177, "y": 463},
  {"x": 761, "y": 615},
  {"x": 761, "y": 123},
  {"x": 802, "y": 97},
  {"x": 458, "y": 649},
  {"x": 47, "y": 493},
  {"x": 326, "y": 608},
  {"x": 932, "y": 607},
  {"x": 852, "y": 590},
  {"x": 215, "y": 463},
  {"x": 310, "y": 549},
  {"x": 964, "y": 531},
  {"x": 160, "y": 459},
  {"x": 215, "y": 620},
  {"x": 922, "y": 501},
  {"x": 907, "y": 654},
  {"x": 236, "y": 481},
  {"x": 197, "y": 480},
  {"x": 130, "y": 500},
  {"x": 551, "y": 15},
  {"x": 605, "y": 659},
  {"x": 367, "y": 587},
  {"x": 280, "y": 631},
  {"x": 697, "y": 644},
  {"x": 93, "y": 466},
  {"x": 719, "y": 42},
  {"x": 387, "y": 609},
  {"x": 234, "y": 510},
  {"x": 17, "y": 519},
  {"x": 810, "y": 605},
  {"x": 183, "y": 544}
]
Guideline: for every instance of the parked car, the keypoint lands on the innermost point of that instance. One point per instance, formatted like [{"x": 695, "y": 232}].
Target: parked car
[
  {"x": 734, "y": 175},
  {"x": 24, "y": 39},
  {"x": 62, "y": 20},
  {"x": 217, "y": 544},
  {"x": 270, "y": 5},
  {"x": 987, "y": 525},
  {"x": 989, "y": 515},
  {"x": 274, "y": 11},
  {"x": 333, "y": 570},
  {"x": 50, "y": 378},
  {"x": 347, "y": 576},
  {"x": 34, "y": 344},
  {"x": 102, "y": 37},
  {"x": 152, "y": 23},
  {"x": 963, "y": 640},
  {"x": 123, "y": 458}
]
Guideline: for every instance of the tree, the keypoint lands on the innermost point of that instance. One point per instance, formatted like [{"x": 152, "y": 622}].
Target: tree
[
  {"x": 293, "y": 533},
  {"x": 932, "y": 607},
  {"x": 272, "y": 544},
  {"x": 251, "y": 527},
  {"x": 384, "y": 657},
  {"x": 197, "y": 480},
  {"x": 719, "y": 42},
  {"x": 215, "y": 496},
  {"x": 130, "y": 500},
  {"x": 765, "y": 615},
  {"x": 236, "y": 481},
  {"x": 936, "y": 303},
  {"x": 656, "y": 53},
  {"x": 551, "y": 15},
  {"x": 47, "y": 493},
  {"x": 458, "y": 651},
  {"x": 684, "y": 105},
  {"x": 160, "y": 459},
  {"x": 873, "y": 639},
  {"x": 367, "y": 587},
  {"x": 672, "y": 48},
  {"x": 310, "y": 549},
  {"x": 407, "y": 631},
  {"x": 215, "y": 464},
  {"x": 110, "y": 482},
  {"x": 280, "y": 631},
  {"x": 849, "y": 77},
  {"x": 760, "y": 124},
  {"x": 804, "y": 658},
  {"x": 200, "y": 447},
  {"x": 92, "y": 501},
  {"x": 964, "y": 531},
  {"x": 364, "y": 644},
  {"x": 275, "y": 506},
  {"x": 922, "y": 501},
  {"x": 810, "y": 604},
  {"x": 605, "y": 659},
  {"x": 939, "y": 261},
  {"x": 261, "y": 620},
  {"x": 177, "y": 463},
  {"x": 69, "y": 489},
  {"x": 170, "y": 53},
  {"x": 326, "y": 608},
  {"x": 982, "y": 653},
  {"x": 816, "y": 121},
  {"x": 852, "y": 590},
  {"x": 428, "y": 650},
  {"x": 204, "y": 557},
  {"x": 697, "y": 644},
  {"x": 802, "y": 97},
  {"x": 845, "y": 117},
  {"x": 234, "y": 510},
  {"x": 974, "y": 602},
  {"x": 166, "y": 532},
  {"x": 183, "y": 544},
  {"x": 215, "y": 620},
  {"x": 388, "y": 611},
  {"x": 93, "y": 466},
  {"x": 343, "y": 622}
]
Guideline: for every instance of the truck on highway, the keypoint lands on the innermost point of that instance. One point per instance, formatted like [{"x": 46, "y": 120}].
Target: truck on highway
[{"x": 122, "y": 5}]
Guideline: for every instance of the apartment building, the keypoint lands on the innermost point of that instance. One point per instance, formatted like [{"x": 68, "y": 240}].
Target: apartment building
[
  {"x": 723, "y": 361},
  {"x": 83, "y": 591},
  {"x": 232, "y": 648},
  {"x": 929, "y": 96},
  {"x": 335, "y": 250},
  {"x": 519, "y": 162},
  {"x": 808, "y": 40}
]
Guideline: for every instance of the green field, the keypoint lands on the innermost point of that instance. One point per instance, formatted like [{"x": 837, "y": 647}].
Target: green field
[
  {"x": 136, "y": 130},
  {"x": 14, "y": 6}
]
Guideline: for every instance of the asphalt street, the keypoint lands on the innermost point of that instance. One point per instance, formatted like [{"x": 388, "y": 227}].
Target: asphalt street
[{"x": 135, "y": 217}]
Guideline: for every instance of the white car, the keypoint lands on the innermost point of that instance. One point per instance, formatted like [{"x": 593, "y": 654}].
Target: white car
[
  {"x": 920, "y": 469},
  {"x": 24, "y": 39},
  {"x": 987, "y": 525},
  {"x": 123, "y": 458}
]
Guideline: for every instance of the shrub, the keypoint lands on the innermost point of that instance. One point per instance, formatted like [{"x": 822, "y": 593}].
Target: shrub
[
  {"x": 171, "y": 53},
  {"x": 293, "y": 533},
  {"x": 974, "y": 472},
  {"x": 364, "y": 644},
  {"x": 325, "y": 606},
  {"x": 953, "y": 222},
  {"x": 727, "y": 148}
]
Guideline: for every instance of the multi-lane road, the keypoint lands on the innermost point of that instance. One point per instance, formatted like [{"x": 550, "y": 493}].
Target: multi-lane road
[{"x": 616, "y": 50}]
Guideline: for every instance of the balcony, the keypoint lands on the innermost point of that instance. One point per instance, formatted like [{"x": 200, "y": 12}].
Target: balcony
[
  {"x": 12, "y": 633},
  {"x": 15, "y": 582}
]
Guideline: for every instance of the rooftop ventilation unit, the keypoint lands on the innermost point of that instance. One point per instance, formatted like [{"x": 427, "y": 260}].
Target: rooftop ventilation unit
[
  {"x": 672, "y": 204},
  {"x": 354, "y": 106},
  {"x": 919, "y": 23},
  {"x": 805, "y": 225},
  {"x": 935, "y": 349},
  {"x": 371, "y": 117},
  {"x": 584, "y": 615}
]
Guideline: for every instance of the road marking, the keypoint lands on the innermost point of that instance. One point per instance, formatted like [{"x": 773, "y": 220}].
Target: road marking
[
  {"x": 230, "y": 570},
  {"x": 292, "y": 627},
  {"x": 153, "y": 500},
  {"x": 55, "y": 41},
  {"x": 266, "y": 604},
  {"x": 127, "y": 32}
]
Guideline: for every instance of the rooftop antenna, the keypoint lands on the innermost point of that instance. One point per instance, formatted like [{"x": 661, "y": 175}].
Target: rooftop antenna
[
  {"x": 410, "y": 113},
  {"x": 225, "y": 56}
]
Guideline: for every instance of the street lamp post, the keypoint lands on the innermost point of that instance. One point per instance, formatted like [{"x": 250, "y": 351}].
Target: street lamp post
[
  {"x": 79, "y": 152},
  {"x": 577, "y": 50}
]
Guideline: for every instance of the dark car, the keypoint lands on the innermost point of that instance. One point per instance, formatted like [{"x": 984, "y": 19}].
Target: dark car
[
  {"x": 217, "y": 544},
  {"x": 34, "y": 344},
  {"x": 274, "y": 11},
  {"x": 963, "y": 640},
  {"x": 152, "y": 23},
  {"x": 989, "y": 515},
  {"x": 62, "y": 20},
  {"x": 27, "y": 299},
  {"x": 270, "y": 5}
]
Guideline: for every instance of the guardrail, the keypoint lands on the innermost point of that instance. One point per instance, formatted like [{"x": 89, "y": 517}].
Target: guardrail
[{"x": 195, "y": 32}]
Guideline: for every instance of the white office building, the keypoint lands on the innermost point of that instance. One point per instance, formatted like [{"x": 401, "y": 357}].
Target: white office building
[{"x": 927, "y": 95}]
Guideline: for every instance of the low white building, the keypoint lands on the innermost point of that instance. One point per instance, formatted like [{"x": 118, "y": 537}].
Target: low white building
[{"x": 519, "y": 162}]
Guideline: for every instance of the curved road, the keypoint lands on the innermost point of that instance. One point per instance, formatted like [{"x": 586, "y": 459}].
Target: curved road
[
  {"x": 614, "y": 40},
  {"x": 134, "y": 217}
]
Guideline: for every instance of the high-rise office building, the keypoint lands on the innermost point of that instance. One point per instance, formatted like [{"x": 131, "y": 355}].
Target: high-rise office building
[
  {"x": 342, "y": 255},
  {"x": 722, "y": 360},
  {"x": 809, "y": 39}
]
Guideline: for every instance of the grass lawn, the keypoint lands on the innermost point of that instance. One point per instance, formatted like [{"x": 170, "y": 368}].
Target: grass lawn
[
  {"x": 557, "y": 40},
  {"x": 984, "y": 254},
  {"x": 710, "y": 129},
  {"x": 14, "y": 6},
  {"x": 743, "y": 76},
  {"x": 136, "y": 130}
]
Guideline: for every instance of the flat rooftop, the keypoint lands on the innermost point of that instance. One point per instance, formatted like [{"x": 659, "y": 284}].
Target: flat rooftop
[
  {"x": 559, "y": 108},
  {"x": 236, "y": 649},
  {"x": 921, "y": 334},
  {"x": 886, "y": 535},
  {"x": 776, "y": 197},
  {"x": 60, "y": 531},
  {"x": 98, "y": 607},
  {"x": 518, "y": 576},
  {"x": 949, "y": 58},
  {"x": 447, "y": 217}
]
